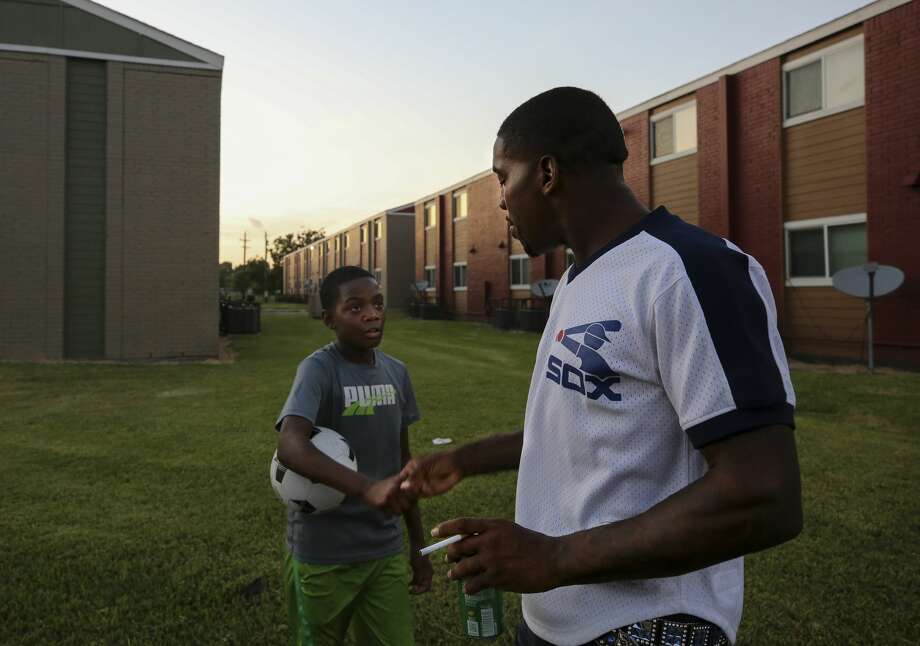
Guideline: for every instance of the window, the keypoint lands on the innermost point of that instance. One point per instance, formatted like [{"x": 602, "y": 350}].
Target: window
[
  {"x": 378, "y": 275},
  {"x": 431, "y": 214},
  {"x": 816, "y": 249},
  {"x": 824, "y": 83},
  {"x": 460, "y": 208},
  {"x": 429, "y": 277},
  {"x": 674, "y": 133},
  {"x": 337, "y": 243},
  {"x": 347, "y": 236},
  {"x": 378, "y": 229},
  {"x": 520, "y": 272},
  {"x": 459, "y": 276},
  {"x": 362, "y": 236}
]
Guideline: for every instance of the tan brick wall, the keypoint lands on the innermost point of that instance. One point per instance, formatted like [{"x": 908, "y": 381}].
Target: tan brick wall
[
  {"x": 32, "y": 136},
  {"x": 169, "y": 216}
]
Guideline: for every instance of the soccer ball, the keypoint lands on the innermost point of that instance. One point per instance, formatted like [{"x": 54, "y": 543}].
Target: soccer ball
[{"x": 302, "y": 494}]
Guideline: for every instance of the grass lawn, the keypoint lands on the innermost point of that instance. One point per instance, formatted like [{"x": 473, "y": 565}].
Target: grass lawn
[{"x": 136, "y": 503}]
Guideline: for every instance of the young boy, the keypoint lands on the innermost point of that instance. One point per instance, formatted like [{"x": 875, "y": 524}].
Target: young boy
[{"x": 345, "y": 571}]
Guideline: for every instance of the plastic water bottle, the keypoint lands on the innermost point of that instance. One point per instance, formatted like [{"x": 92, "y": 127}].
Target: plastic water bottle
[{"x": 481, "y": 614}]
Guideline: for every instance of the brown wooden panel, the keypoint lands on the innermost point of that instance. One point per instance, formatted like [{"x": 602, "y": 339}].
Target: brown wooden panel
[
  {"x": 664, "y": 107},
  {"x": 825, "y": 166},
  {"x": 675, "y": 184},
  {"x": 431, "y": 246},
  {"x": 460, "y": 302},
  {"x": 823, "y": 314},
  {"x": 461, "y": 240},
  {"x": 826, "y": 42}
]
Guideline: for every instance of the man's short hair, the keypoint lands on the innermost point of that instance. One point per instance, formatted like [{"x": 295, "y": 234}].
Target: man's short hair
[
  {"x": 329, "y": 290},
  {"x": 573, "y": 125}
]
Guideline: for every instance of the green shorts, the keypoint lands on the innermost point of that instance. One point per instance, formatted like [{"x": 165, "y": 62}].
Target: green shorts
[{"x": 367, "y": 602}]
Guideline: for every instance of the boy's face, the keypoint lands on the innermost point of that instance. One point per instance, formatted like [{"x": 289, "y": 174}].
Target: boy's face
[{"x": 359, "y": 314}]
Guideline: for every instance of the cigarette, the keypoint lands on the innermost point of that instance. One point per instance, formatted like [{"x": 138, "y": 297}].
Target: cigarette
[{"x": 425, "y": 551}]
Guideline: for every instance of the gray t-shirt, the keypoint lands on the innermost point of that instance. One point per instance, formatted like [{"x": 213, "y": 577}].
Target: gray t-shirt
[{"x": 369, "y": 406}]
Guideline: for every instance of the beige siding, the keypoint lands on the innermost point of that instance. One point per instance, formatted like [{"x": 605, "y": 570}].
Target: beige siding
[
  {"x": 822, "y": 314},
  {"x": 664, "y": 107},
  {"x": 460, "y": 303},
  {"x": 836, "y": 38},
  {"x": 825, "y": 166},
  {"x": 461, "y": 240},
  {"x": 675, "y": 184},
  {"x": 431, "y": 246}
]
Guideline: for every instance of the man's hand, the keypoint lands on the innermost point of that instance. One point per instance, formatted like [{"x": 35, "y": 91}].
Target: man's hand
[
  {"x": 386, "y": 495},
  {"x": 421, "y": 573},
  {"x": 431, "y": 475},
  {"x": 500, "y": 554}
]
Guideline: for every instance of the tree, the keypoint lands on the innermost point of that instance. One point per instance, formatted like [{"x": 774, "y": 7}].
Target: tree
[
  {"x": 225, "y": 271},
  {"x": 283, "y": 245}
]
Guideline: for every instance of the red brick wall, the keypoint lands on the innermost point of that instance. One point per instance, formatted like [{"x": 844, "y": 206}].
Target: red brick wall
[
  {"x": 488, "y": 235},
  {"x": 712, "y": 156},
  {"x": 892, "y": 45},
  {"x": 755, "y": 152},
  {"x": 636, "y": 168},
  {"x": 419, "y": 241}
]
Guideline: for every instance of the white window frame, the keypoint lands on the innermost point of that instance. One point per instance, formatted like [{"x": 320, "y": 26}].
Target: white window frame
[
  {"x": 466, "y": 276},
  {"x": 362, "y": 237},
  {"x": 816, "y": 223},
  {"x": 378, "y": 229},
  {"x": 511, "y": 260},
  {"x": 821, "y": 54},
  {"x": 378, "y": 275},
  {"x": 453, "y": 197},
  {"x": 664, "y": 115},
  {"x": 432, "y": 287},
  {"x": 347, "y": 240},
  {"x": 425, "y": 214}
]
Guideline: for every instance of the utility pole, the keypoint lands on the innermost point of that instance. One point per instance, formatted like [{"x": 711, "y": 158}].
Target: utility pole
[
  {"x": 244, "y": 241},
  {"x": 266, "y": 266}
]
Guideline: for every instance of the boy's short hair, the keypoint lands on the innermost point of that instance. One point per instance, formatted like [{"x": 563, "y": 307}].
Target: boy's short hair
[
  {"x": 569, "y": 123},
  {"x": 329, "y": 290}
]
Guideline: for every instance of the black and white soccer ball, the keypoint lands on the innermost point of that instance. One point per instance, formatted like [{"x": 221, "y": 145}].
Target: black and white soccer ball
[{"x": 304, "y": 495}]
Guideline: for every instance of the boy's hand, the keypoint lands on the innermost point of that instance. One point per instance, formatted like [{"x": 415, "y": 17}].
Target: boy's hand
[
  {"x": 386, "y": 495},
  {"x": 431, "y": 475},
  {"x": 421, "y": 573}
]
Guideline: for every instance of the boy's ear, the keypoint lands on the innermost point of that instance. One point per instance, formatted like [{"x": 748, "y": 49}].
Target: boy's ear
[{"x": 328, "y": 319}]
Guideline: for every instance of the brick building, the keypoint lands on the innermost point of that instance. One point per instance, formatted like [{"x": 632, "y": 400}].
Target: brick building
[
  {"x": 384, "y": 244},
  {"x": 807, "y": 155},
  {"x": 109, "y": 186}
]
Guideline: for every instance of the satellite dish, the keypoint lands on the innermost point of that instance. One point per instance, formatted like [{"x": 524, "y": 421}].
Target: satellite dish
[
  {"x": 868, "y": 281},
  {"x": 544, "y": 288},
  {"x": 855, "y": 280}
]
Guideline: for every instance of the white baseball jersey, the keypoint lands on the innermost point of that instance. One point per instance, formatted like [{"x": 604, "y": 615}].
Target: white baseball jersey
[{"x": 664, "y": 341}]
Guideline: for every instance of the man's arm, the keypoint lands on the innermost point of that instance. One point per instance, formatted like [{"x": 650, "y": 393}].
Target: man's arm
[
  {"x": 437, "y": 473},
  {"x": 749, "y": 499},
  {"x": 296, "y": 452}
]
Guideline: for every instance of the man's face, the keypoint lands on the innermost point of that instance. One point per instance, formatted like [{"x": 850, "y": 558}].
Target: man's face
[
  {"x": 522, "y": 198},
  {"x": 359, "y": 314}
]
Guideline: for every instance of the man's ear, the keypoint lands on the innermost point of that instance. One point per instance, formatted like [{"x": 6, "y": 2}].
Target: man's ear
[
  {"x": 328, "y": 319},
  {"x": 549, "y": 174}
]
